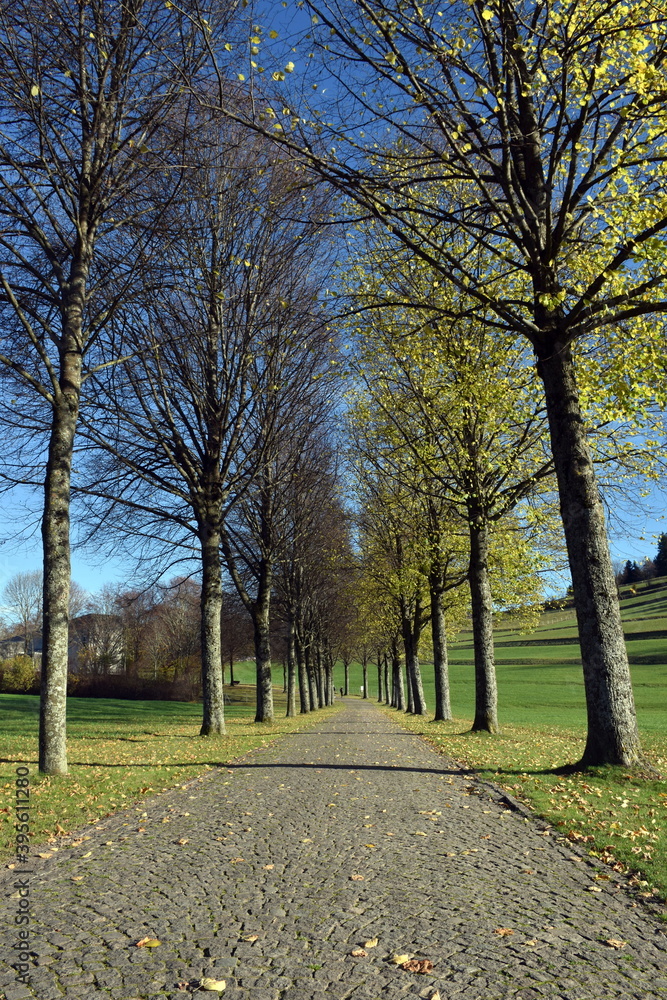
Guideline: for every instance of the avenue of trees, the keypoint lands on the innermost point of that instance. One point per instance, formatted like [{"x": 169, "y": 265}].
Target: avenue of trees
[{"x": 217, "y": 236}]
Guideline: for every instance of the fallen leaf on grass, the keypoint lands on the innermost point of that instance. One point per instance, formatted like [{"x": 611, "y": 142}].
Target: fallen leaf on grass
[
  {"x": 358, "y": 953},
  {"x": 400, "y": 959},
  {"x": 615, "y": 943},
  {"x": 503, "y": 931},
  {"x": 356, "y": 878},
  {"x": 148, "y": 942},
  {"x": 212, "y": 984},
  {"x": 422, "y": 965},
  {"x": 373, "y": 943}
]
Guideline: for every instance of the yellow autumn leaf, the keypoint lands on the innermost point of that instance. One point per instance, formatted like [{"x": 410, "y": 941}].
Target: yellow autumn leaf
[
  {"x": 373, "y": 943},
  {"x": 212, "y": 984},
  {"x": 148, "y": 942},
  {"x": 399, "y": 959}
]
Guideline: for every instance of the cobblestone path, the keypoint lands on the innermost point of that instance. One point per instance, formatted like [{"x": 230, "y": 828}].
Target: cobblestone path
[{"x": 253, "y": 875}]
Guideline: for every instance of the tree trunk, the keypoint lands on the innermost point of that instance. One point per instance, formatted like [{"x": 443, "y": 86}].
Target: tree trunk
[
  {"x": 386, "y": 679},
  {"x": 231, "y": 669},
  {"x": 346, "y": 689},
  {"x": 310, "y": 673},
  {"x": 318, "y": 676},
  {"x": 261, "y": 623},
  {"x": 291, "y": 672},
  {"x": 364, "y": 675},
  {"x": 439, "y": 635},
  {"x": 379, "y": 666},
  {"x": 486, "y": 693},
  {"x": 397, "y": 676},
  {"x": 612, "y": 722},
  {"x": 57, "y": 571},
  {"x": 304, "y": 695},
  {"x": 410, "y": 627},
  {"x": 213, "y": 720}
]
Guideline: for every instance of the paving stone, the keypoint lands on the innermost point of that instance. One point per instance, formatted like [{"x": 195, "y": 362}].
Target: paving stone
[{"x": 357, "y": 795}]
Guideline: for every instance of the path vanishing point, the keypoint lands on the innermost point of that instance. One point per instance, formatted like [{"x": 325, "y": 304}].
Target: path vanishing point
[{"x": 271, "y": 872}]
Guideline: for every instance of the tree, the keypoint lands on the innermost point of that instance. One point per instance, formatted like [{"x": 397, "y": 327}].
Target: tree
[
  {"x": 535, "y": 132},
  {"x": 660, "y": 560},
  {"x": 84, "y": 87},
  {"x": 222, "y": 343},
  {"x": 463, "y": 425},
  {"x": 22, "y": 596}
]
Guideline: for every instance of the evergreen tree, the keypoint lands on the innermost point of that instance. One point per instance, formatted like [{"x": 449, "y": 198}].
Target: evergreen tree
[{"x": 660, "y": 560}]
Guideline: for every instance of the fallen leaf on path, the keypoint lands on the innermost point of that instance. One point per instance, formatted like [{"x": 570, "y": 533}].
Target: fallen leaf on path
[
  {"x": 148, "y": 942},
  {"x": 373, "y": 943},
  {"x": 369, "y": 845},
  {"x": 212, "y": 984},
  {"x": 400, "y": 959},
  {"x": 356, "y": 878},
  {"x": 307, "y": 840},
  {"x": 532, "y": 942},
  {"x": 251, "y": 938},
  {"x": 267, "y": 868},
  {"x": 183, "y": 840},
  {"x": 358, "y": 953},
  {"x": 77, "y": 878},
  {"x": 419, "y": 833},
  {"x": 44, "y": 855},
  {"x": 615, "y": 943},
  {"x": 418, "y": 965},
  {"x": 87, "y": 854},
  {"x": 593, "y": 888},
  {"x": 235, "y": 861},
  {"x": 434, "y": 996},
  {"x": 503, "y": 931}
]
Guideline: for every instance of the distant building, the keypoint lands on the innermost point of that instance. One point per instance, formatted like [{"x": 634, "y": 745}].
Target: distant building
[{"x": 96, "y": 645}]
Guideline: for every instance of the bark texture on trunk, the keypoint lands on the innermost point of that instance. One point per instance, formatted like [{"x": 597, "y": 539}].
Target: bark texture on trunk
[
  {"x": 57, "y": 571},
  {"x": 410, "y": 624},
  {"x": 364, "y": 673},
  {"x": 304, "y": 694},
  {"x": 379, "y": 666},
  {"x": 291, "y": 671},
  {"x": 486, "y": 692},
  {"x": 213, "y": 718},
  {"x": 439, "y": 636},
  {"x": 262, "y": 634},
  {"x": 346, "y": 689},
  {"x": 398, "y": 700},
  {"x": 612, "y": 722}
]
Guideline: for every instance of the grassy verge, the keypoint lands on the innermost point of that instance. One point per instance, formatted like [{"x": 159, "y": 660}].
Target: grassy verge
[
  {"x": 119, "y": 753},
  {"x": 618, "y": 815}
]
